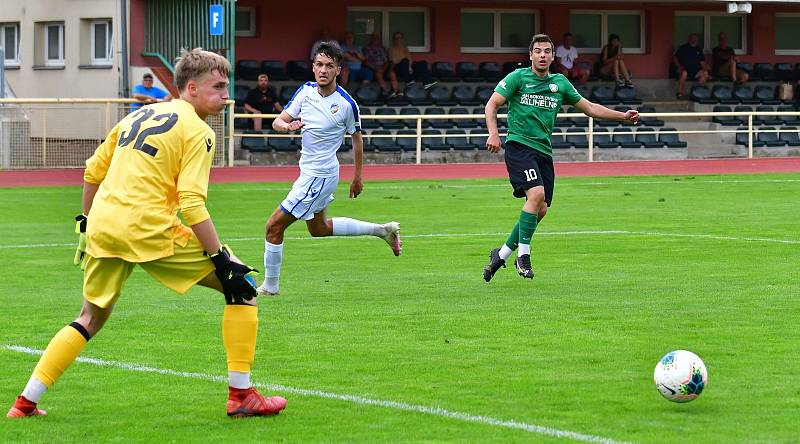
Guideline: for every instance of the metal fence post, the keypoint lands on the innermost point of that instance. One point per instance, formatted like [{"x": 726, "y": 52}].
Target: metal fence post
[
  {"x": 591, "y": 139},
  {"x": 230, "y": 134},
  {"x": 750, "y": 136},
  {"x": 44, "y": 137},
  {"x": 419, "y": 140}
]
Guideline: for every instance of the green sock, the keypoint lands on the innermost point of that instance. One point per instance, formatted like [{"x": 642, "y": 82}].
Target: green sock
[
  {"x": 527, "y": 225},
  {"x": 513, "y": 238}
]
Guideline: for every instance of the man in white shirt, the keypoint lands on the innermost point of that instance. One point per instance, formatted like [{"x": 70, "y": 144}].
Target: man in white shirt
[
  {"x": 566, "y": 56},
  {"x": 323, "y": 112}
]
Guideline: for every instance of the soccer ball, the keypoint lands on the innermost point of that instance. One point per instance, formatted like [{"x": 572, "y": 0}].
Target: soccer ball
[{"x": 680, "y": 376}]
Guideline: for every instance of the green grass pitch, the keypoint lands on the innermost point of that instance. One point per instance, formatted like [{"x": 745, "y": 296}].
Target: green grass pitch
[{"x": 627, "y": 269}]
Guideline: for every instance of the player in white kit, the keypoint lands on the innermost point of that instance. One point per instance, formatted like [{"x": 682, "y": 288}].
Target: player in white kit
[{"x": 323, "y": 112}]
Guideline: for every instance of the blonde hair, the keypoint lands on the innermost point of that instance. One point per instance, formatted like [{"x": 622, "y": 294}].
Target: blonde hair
[{"x": 192, "y": 65}]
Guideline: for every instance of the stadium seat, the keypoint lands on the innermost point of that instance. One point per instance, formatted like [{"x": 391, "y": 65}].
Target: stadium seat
[
  {"x": 462, "y": 123},
  {"x": 240, "y": 94},
  {"x": 602, "y": 139},
  {"x": 438, "y": 123},
  {"x": 701, "y": 94},
  {"x": 274, "y": 69},
  {"x": 563, "y": 122},
  {"x": 407, "y": 143},
  {"x": 577, "y": 140},
  {"x": 582, "y": 121},
  {"x": 285, "y": 144},
  {"x": 766, "y": 95},
  {"x": 417, "y": 95},
  {"x": 788, "y": 120},
  {"x": 490, "y": 71},
  {"x": 789, "y": 136},
  {"x": 389, "y": 123},
  {"x": 725, "y": 120},
  {"x": 478, "y": 137},
  {"x": 484, "y": 93},
  {"x": 287, "y": 92},
  {"x": 625, "y": 138},
  {"x": 368, "y": 123},
  {"x": 465, "y": 95},
  {"x": 369, "y": 95},
  {"x": 745, "y": 95},
  {"x": 670, "y": 138},
  {"x": 442, "y": 96},
  {"x": 723, "y": 94},
  {"x": 254, "y": 144},
  {"x": 747, "y": 109},
  {"x": 382, "y": 144},
  {"x": 627, "y": 96},
  {"x": 603, "y": 95},
  {"x": 457, "y": 139},
  {"x": 412, "y": 123},
  {"x": 247, "y": 69},
  {"x": 420, "y": 67},
  {"x": 766, "y": 119},
  {"x": 444, "y": 72},
  {"x": 584, "y": 91},
  {"x": 769, "y": 137},
  {"x": 784, "y": 72},
  {"x": 647, "y": 137},
  {"x": 557, "y": 140},
  {"x": 434, "y": 143},
  {"x": 511, "y": 66},
  {"x": 299, "y": 70},
  {"x": 481, "y": 111},
  {"x": 468, "y": 72},
  {"x": 649, "y": 121},
  {"x": 745, "y": 66},
  {"x": 763, "y": 71},
  {"x": 741, "y": 137}
]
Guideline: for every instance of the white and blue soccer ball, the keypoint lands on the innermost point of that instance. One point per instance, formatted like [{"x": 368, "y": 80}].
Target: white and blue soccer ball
[{"x": 680, "y": 376}]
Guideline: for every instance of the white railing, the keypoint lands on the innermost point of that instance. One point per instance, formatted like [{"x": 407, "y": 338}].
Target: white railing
[{"x": 590, "y": 129}]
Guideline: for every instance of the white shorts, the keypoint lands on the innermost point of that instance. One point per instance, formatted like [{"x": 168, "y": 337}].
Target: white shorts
[{"x": 309, "y": 196}]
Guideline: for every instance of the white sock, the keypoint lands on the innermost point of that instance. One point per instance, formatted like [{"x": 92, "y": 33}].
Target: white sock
[
  {"x": 34, "y": 390},
  {"x": 273, "y": 257},
  {"x": 344, "y": 226},
  {"x": 505, "y": 252},
  {"x": 239, "y": 380},
  {"x": 524, "y": 249}
]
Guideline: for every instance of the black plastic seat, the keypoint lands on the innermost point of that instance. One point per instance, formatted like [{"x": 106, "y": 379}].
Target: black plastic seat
[
  {"x": 417, "y": 95},
  {"x": 763, "y": 71},
  {"x": 248, "y": 69},
  {"x": 745, "y": 95},
  {"x": 483, "y": 94},
  {"x": 788, "y": 120},
  {"x": 389, "y": 123},
  {"x": 512, "y": 66},
  {"x": 442, "y": 96},
  {"x": 299, "y": 70},
  {"x": 438, "y": 123},
  {"x": 789, "y": 136},
  {"x": 647, "y": 137},
  {"x": 462, "y": 123},
  {"x": 627, "y": 96},
  {"x": 457, "y": 139},
  {"x": 434, "y": 143},
  {"x": 240, "y": 94},
  {"x": 407, "y": 143},
  {"x": 468, "y": 72},
  {"x": 287, "y": 92},
  {"x": 741, "y": 137},
  {"x": 770, "y": 138},
  {"x": 602, "y": 139},
  {"x": 724, "y": 95},
  {"x": 412, "y": 123},
  {"x": 369, "y": 123},
  {"x": 725, "y": 120},
  {"x": 285, "y": 144},
  {"x": 766, "y": 95},
  {"x": 603, "y": 95},
  {"x": 274, "y": 69},
  {"x": 254, "y": 144},
  {"x": 649, "y": 121},
  {"x": 670, "y": 138},
  {"x": 382, "y": 144},
  {"x": 577, "y": 140},
  {"x": 369, "y": 95},
  {"x": 465, "y": 95},
  {"x": 747, "y": 109},
  {"x": 701, "y": 94},
  {"x": 557, "y": 140},
  {"x": 490, "y": 71},
  {"x": 625, "y": 138},
  {"x": 768, "y": 120},
  {"x": 444, "y": 71}
]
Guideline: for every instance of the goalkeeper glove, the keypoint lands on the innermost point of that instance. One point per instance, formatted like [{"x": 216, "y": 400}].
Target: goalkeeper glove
[
  {"x": 80, "y": 230},
  {"x": 237, "y": 283}
]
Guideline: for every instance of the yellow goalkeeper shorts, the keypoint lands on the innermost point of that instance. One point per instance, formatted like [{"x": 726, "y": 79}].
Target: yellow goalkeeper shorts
[{"x": 104, "y": 277}]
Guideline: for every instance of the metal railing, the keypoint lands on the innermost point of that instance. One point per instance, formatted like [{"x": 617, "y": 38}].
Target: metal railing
[{"x": 589, "y": 132}]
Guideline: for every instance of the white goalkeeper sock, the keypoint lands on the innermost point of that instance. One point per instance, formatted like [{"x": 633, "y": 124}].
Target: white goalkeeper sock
[
  {"x": 505, "y": 252},
  {"x": 344, "y": 226},
  {"x": 524, "y": 249},
  {"x": 239, "y": 380},
  {"x": 34, "y": 390},
  {"x": 273, "y": 257}
]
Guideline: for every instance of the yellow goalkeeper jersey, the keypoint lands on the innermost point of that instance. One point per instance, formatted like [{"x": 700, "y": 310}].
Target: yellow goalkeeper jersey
[{"x": 153, "y": 162}]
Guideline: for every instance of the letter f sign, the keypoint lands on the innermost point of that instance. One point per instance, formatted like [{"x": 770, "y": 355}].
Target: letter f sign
[{"x": 215, "y": 20}]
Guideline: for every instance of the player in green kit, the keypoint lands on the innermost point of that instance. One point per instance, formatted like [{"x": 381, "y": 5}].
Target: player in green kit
[{"x": 534, "y": 98}]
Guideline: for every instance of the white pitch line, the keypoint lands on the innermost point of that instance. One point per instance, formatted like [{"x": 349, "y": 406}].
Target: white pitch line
[
  {"x": 457, "y": 235},
  {"x": 435, "y": 411}
]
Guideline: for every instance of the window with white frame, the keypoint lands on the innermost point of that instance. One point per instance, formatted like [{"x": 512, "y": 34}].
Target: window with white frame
[
  {"x": 590, "y": 30},
  {"x": 413, "y": 22},
  {"x": 787, "y": 39},
  {"x": 54, "y": 44},
  {"x": 708, "y": 26},
  {"x": 498, "y": 30},
  {"x": 245, "y": 21},
  {"x": 9, "y": 41},
  {"x": 101, "y": 44}
]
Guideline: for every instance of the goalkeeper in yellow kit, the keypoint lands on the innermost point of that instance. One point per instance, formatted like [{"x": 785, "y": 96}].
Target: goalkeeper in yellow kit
[{"x": 154, "y": 162}]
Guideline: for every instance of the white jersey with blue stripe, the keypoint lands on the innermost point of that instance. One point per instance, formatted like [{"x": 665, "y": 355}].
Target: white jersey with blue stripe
[{"x": 325, "y": 120}]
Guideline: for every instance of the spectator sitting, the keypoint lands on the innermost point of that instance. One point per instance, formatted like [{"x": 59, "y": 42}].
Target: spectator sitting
[
  {"x": 353, "y": 68},
  {"x": 566, "y": 58},
  {"x": 262, "y": 100},
  {"x": 377, "y": 59},
  {"x": 690, "y": 62},
  {"x": 146, "y": 93},
  {"x": 723, "y": 61},
  {"x": 611, "y": 62},
  {"x": 400, "y": 58}
]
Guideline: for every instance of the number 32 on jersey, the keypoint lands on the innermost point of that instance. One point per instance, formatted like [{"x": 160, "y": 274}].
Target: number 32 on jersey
[{"x": 139, "y": 135}]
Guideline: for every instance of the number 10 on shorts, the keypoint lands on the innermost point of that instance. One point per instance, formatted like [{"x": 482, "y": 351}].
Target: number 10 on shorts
[{"x": 530, "y": 175}]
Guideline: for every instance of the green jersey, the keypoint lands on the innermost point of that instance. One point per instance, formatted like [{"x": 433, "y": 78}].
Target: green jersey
[{"x": 533, "y": 103}]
